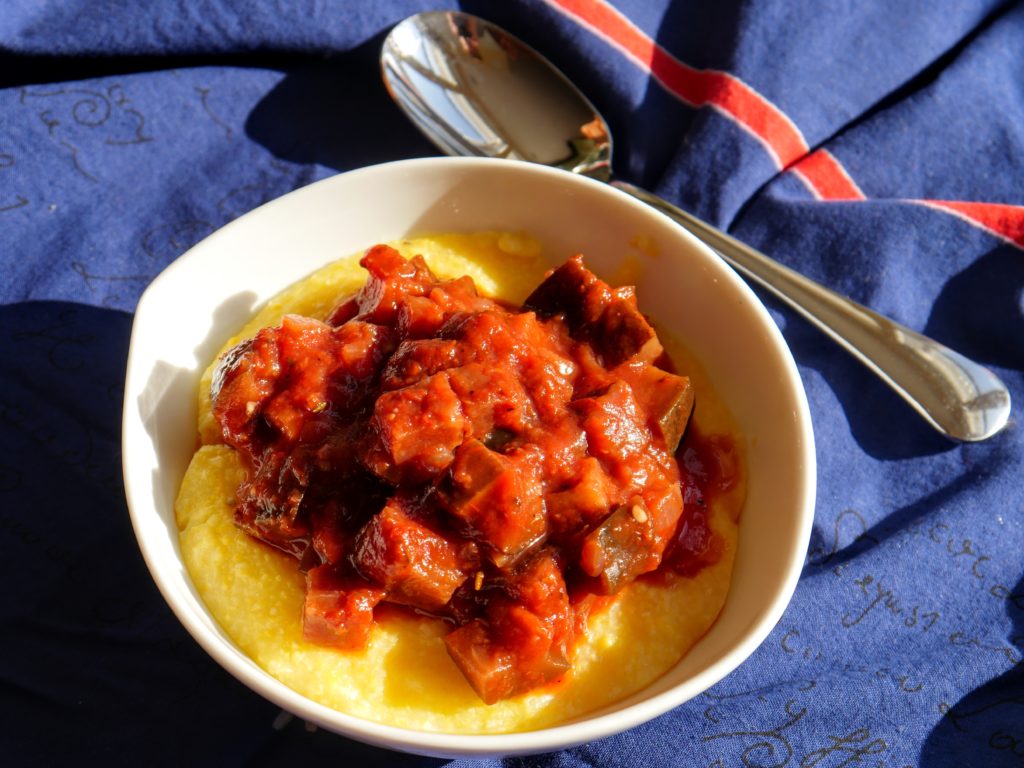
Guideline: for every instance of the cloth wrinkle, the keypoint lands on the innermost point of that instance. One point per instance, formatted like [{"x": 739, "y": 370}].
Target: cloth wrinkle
[{"x": 916, "y": 84}]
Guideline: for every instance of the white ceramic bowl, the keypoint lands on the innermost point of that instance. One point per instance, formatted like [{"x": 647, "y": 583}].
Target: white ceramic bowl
[{"x": 207, "y": 294}]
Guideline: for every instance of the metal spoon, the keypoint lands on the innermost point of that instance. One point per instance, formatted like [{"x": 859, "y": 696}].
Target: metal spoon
[{"x": 474, "y": 89}]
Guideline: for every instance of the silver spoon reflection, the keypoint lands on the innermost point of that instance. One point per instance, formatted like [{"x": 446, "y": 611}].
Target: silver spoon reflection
[{"x": 474, "y": 89}]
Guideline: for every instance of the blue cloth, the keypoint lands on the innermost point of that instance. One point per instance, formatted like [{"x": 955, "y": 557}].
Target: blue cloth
[{"x": 130, "y": 131}]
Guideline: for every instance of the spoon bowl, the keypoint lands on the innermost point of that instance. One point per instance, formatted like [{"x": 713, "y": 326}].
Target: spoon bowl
[{"x": 474, "y": 89}]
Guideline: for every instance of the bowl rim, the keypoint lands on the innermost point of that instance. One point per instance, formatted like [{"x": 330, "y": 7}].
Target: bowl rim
[{"x": 446, "y": 744}]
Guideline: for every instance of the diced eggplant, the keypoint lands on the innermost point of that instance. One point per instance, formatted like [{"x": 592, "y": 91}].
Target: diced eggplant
[
  {"x": 633, "y": 538},
  {"x": 666, "y": 398},
  {"x": 360, "y": 350},
  {"x": 416, "y": 360},
  {"x": 344, "y": 311},
  {"x": 243, "y": 380},
  {"x": 523, "y": 640},
  {"x": 619, "y": 549},
  {"x": 415, "y": 431},
  {"x": 476, "y": 467},
  {"x": 328, "y": 540},
  {"x": 584, "y": 502},
  {"x": 416, "y": 565},
  {"x": 595, "y": 312},
  {"x": 572, "y": 291},
  {"x": 538, "y": 584},
  {"x": 499, "y": 439},
  {"x": 623, "y": 333},
  {"x": 322, "y": 368},
  {"x": 490, "y": 670},
  {"x": 498, "y": 666},
  {"x": 391, "y": 278},
  {"x": 549, "y": 376},
  {"x": 288, "y": 373},
  {"x": 338, "y": 610},
  {"x": 492, "y": 398},
  {"x": 418, "y": 317},
  {"x": 613, "y": 423},
  {"x": 496, "y": 500},
  {"x": 673, "y": 413},
  {"x": 269, "y": 502}
]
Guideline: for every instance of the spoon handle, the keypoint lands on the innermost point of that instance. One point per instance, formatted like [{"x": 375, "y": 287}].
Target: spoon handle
[{"x": 963, "y": 400}]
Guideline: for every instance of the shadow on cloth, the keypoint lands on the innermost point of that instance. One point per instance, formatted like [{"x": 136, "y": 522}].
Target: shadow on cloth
[
  {"x": 981, "y": 309},
  {"x": 336, "y": 112},
  {"x": 883, "y": 425},
  {"x": 986, "y": 727},
  {"x": 92, "y": 661},
  {"x": 826, "y": 549}
]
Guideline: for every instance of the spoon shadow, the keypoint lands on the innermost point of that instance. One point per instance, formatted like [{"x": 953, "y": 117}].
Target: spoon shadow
[
  {"x": 334, "y": 112},
  {"x": 880, "y": 422},
  {"x": 995, "y": 281}
]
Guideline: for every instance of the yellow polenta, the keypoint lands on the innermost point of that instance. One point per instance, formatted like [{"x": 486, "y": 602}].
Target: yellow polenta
[{"x": 405, "y": 677}]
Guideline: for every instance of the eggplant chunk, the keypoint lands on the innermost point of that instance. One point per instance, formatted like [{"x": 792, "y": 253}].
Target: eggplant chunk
[
  {"x": 624, "y": 334},
  {"x": 619, "y": 549},
  {"x": 496, "y": 501},
  {"x": 666, "y": 398},
  {"x": 674, "y": 411},
  {"x": 572, "y": 291},
  {"x": 416, "y": 565},
  {"x": 523, "y": 640},
  {"x": 338, "y": 611},
  {"x": 593, "y": 310}
]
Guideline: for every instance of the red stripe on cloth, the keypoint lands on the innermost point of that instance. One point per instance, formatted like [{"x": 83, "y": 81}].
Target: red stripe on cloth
[
  {"x": 1004, "y": 221},
  {"x": 610, "y": 24},
  {"x": 726, "y": 93},
  {"x": 826, "y": 177},
  {"x": 823, "y": 174},
  {"x": 734, "y": 98}
]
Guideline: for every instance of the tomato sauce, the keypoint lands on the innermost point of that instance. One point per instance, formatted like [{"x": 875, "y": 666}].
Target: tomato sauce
[{"x": 507, "y": 470}]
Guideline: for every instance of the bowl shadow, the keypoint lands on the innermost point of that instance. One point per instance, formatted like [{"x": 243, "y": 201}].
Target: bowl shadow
[{"x": 87, "y": 640}]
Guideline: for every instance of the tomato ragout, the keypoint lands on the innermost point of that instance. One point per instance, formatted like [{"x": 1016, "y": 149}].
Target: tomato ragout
[{"x": 504, "y": 469}]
